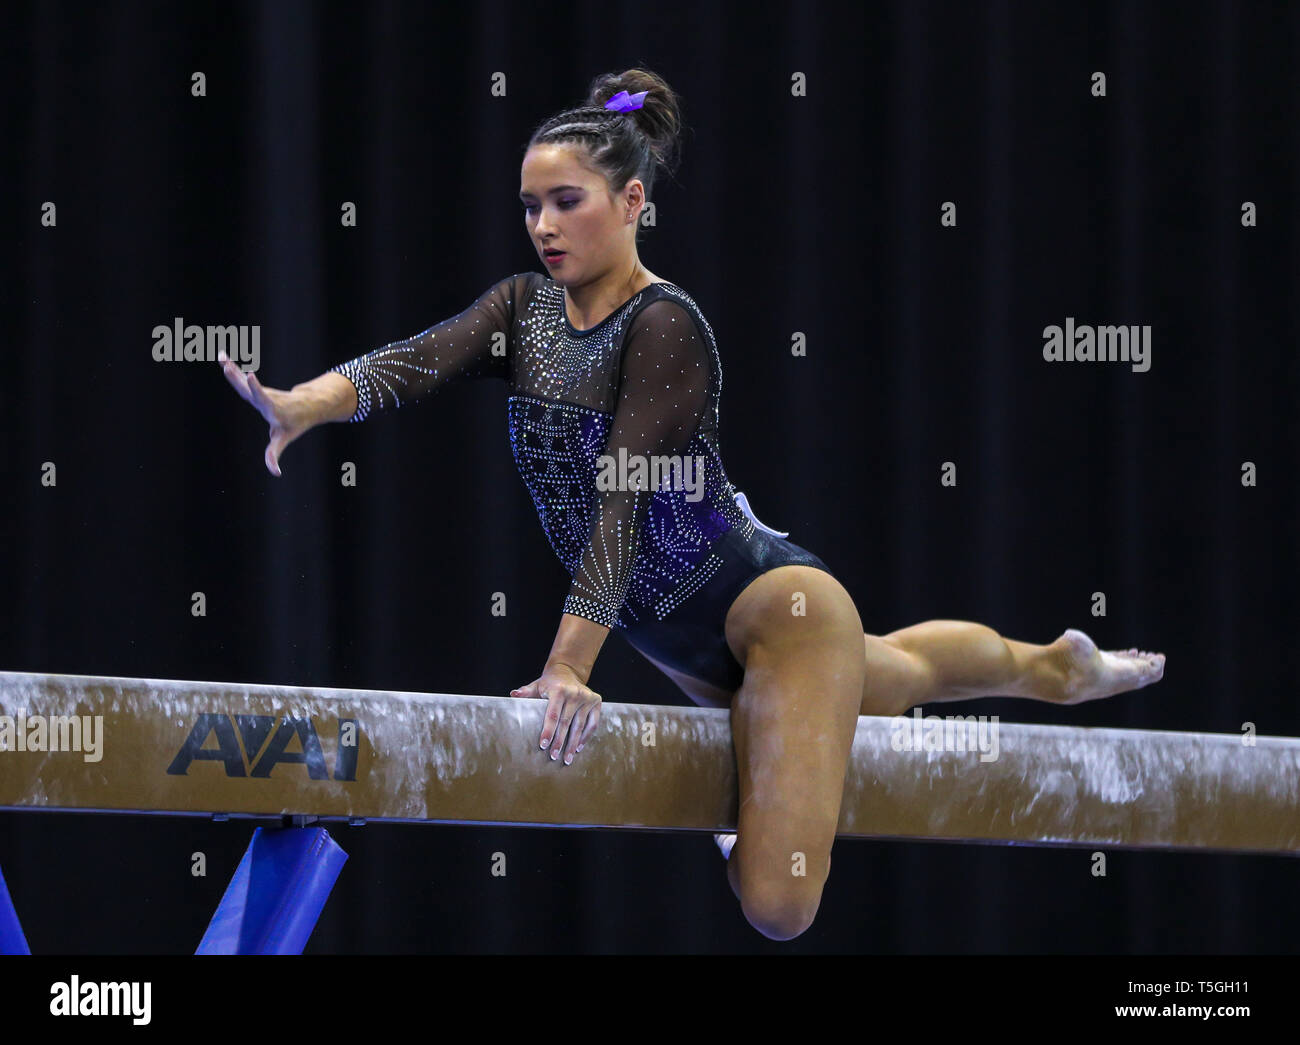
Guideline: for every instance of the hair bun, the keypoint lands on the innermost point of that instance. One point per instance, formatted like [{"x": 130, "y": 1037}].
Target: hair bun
[{"x": 659, "y": 117}]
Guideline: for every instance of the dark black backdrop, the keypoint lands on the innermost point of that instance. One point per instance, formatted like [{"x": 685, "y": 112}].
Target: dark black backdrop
[{"x": 817, "y": 214}]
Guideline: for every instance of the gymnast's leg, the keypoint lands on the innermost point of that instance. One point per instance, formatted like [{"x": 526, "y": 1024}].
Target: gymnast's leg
[
  {"x": 792, "y": 721},
  {"x": 942, "y": 660}
]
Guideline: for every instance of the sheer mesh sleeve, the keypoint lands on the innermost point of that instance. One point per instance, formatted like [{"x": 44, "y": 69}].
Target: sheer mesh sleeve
[
  {"x": 475, "y": 343},
  {"x": 663, "y": 397}
]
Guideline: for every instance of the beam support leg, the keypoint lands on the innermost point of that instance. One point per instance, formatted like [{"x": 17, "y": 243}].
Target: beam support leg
[
  {"x": 277, "y": 893},
  {"x": 12, "y": 940}
]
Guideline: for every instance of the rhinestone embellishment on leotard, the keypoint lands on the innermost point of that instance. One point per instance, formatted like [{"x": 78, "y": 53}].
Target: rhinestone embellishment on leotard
[
  {"x": 564, "y": 391},
  {"x": 556, "y": 444}
]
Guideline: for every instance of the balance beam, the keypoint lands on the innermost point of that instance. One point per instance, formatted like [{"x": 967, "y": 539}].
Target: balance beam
[{"x": 235, "y": 749}]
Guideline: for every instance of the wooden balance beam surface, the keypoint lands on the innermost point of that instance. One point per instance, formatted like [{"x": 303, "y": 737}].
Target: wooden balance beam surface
[{"x": 220, "y": 748}]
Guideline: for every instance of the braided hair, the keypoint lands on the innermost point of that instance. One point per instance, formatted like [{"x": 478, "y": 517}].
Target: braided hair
[{"x": 621, "y": 146}]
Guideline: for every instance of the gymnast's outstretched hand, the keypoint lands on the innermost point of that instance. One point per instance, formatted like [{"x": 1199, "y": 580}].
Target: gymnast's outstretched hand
[
  {"x": 288, "y": 413},
  {"x": 572, "y": 710}
]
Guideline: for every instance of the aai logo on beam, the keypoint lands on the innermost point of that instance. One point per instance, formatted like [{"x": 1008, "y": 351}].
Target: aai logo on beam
[{"x": 253, "y": 745}]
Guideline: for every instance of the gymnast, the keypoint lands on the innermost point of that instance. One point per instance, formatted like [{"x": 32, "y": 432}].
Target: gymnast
[{"x": 603, "y": 360}]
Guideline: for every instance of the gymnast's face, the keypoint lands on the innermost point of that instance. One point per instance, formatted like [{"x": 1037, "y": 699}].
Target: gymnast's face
[{"x": 570, "y": 208}]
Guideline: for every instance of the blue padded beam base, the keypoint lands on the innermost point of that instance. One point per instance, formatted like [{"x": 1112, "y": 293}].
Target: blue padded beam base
[
  {"x": 12, "y": 940},
  {"x": 276, "y": 896}
]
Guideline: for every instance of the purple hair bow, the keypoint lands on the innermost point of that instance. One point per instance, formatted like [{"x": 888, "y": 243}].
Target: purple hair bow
[{"x": 624, "y": 102}]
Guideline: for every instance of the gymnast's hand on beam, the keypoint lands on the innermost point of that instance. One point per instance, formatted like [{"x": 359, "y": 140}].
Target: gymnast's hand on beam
[
  {"x": 572, "y": 710},
  {"x": 283, "y": 411}
]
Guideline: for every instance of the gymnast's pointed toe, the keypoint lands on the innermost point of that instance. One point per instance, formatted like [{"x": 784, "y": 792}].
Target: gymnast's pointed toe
[{"x": 1093, "y": 674}]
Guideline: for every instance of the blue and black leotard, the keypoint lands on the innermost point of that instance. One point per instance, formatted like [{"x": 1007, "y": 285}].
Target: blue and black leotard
[{"x": 597, "y": 417}]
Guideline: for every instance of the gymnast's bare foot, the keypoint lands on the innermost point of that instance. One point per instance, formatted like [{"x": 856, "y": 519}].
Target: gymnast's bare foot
[{"x": 1091, "y": 674}]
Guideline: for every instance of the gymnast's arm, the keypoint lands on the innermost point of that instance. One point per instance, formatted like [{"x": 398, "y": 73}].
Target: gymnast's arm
[
  {"x": 473, "y": 344},
  {"x": 663, "y": 397}
]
